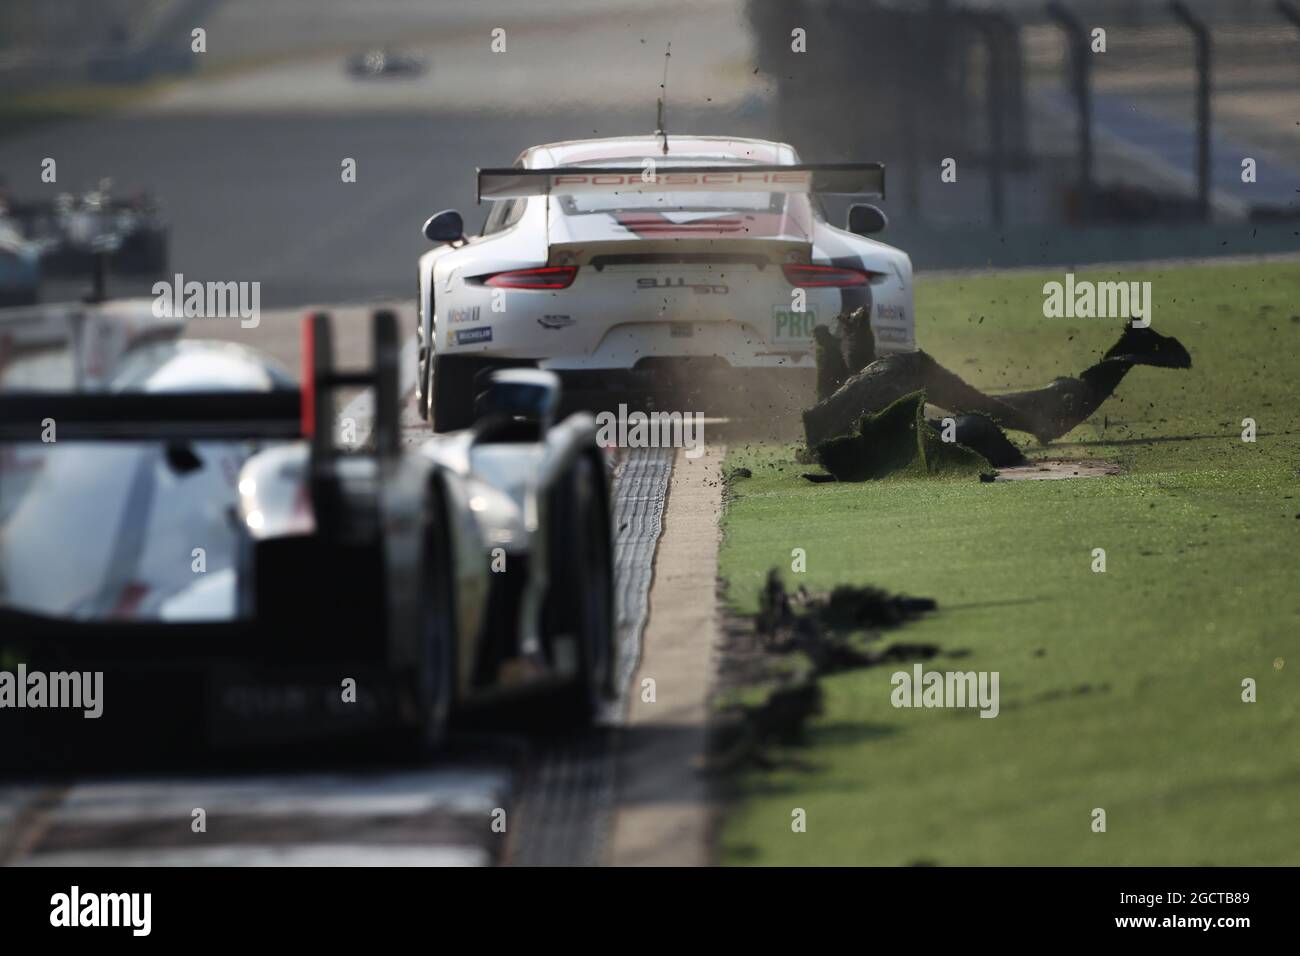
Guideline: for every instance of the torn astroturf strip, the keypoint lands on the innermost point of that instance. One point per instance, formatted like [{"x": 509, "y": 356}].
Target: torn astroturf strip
[
  {"x": 898, "y": 440},
  {"x": 1046, "y": 413}
]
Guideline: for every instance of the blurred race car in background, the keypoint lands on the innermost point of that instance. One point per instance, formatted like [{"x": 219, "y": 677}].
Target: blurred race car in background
[
  {"x": 197, "y": 534},
  {"x": 20, "y": 266},
  {"x": 72, "y": 229},
  {"x": 668, "y": 269},
  {"x": 385, "y": 62}
]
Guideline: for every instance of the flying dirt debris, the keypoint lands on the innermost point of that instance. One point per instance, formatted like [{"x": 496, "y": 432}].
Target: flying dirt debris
[
  {"x": 813, "y": 623},
  {"x": 871, "y": 423}
]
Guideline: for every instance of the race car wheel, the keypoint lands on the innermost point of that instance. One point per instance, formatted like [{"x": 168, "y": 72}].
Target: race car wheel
[
  {"x": 437, "y": 674},
  {"x": 580, "y": 601},
  {"x": 422, "y": 383},
  {"x": 143, "y": 253},
  {"x": 421, "y": 363},
  {"x": 422, "y": 376},
  {"x": 451, "y": 392}
]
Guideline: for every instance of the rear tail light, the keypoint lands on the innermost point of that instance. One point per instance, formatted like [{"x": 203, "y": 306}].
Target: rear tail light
[
  {"x": 548, "y": 277},
  {"x": 826, "y": 276}
]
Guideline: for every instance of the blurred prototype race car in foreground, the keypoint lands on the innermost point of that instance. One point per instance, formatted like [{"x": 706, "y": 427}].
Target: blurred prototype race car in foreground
[
  {"x": 678, "y": 269},
  {"x": 473, "y": 569}
]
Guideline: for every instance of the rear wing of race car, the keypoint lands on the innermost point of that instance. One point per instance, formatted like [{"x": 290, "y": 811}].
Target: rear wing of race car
[
  {"x": 862, "y": 179},
  {"x": 211, "y": 677},
  {"x": 136, "y": 416},
  {"x": 281, "y": 415},
  {"x": 278, "y": 415}
]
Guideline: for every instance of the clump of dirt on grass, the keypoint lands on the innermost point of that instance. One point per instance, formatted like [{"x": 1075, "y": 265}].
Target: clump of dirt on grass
[{"x": 771, "y": 663}]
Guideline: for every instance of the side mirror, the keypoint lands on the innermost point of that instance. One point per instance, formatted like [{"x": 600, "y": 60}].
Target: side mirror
[
  {"x": 866, "y": 219},
  {"x": 445, "y": 226}
]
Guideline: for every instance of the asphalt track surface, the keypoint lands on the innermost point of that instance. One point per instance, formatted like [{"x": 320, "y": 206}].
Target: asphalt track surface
[{"x": 261, "y": 198}]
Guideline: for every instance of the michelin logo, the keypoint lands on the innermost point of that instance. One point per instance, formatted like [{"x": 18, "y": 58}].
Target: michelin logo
[{"x": 474, "y": 336}]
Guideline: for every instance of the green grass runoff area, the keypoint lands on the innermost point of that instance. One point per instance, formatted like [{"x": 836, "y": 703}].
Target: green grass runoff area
[{"x": 1119, "y": 690}]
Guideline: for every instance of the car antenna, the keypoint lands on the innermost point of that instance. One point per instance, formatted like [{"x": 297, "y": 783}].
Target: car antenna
[{"x": 661, "y": 129}]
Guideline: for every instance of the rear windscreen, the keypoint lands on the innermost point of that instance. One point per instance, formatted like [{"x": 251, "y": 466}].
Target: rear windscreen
[{"x": 686, "y": 214}]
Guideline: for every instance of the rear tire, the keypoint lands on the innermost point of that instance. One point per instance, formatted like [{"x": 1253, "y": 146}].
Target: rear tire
[
  {"x": 422, "y": 380},
  {"x": 437, "y": 673},
  {"x": 580, "y": 600},
  {"x": 451, "y": 392}
]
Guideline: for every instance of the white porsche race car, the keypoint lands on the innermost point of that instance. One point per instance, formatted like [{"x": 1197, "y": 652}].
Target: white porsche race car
[{"x": 656, "y": 268}]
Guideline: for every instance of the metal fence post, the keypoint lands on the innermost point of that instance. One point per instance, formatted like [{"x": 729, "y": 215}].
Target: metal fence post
[
  {"x": 1290, "y": 11},
  {"x": 1076, "y": 37},
  {"x": 1201, "y": 33},
  {"x": 994, "y": 105}
]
